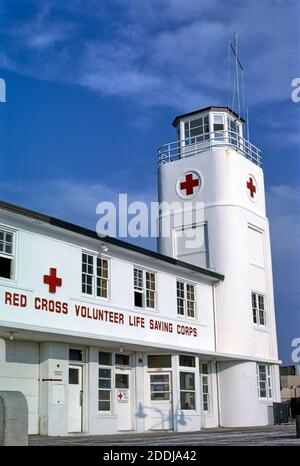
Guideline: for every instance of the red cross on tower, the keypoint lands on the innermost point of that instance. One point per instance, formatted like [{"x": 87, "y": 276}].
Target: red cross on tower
[
  {"x": 189, "y": 184},
  {"x": 251, "y": 187},
  {"x": 52, "y": 280},
  {"x": 120, "y": 396}
]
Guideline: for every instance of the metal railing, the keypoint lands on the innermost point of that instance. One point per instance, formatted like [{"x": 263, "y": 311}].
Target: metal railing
[{"x": 198, "y": 144}]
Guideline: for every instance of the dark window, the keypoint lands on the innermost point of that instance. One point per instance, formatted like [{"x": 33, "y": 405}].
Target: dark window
[
  {"x": 105, "y": 359},
  {"x": 122, "y": 359},
  {"x": 75, "y": 354},
  {"x": 73, "y": 376},
  {"x": 138, "y": 299},
  {"x": 122, "y": 381},
  {"x": 158, "y": 361},
  {"x": 187, "y": 391},
  {"x": 5, "y": 267},
  {"x": 187, "y": 361}
]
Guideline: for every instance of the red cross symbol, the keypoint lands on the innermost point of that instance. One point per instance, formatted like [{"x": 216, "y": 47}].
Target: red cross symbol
[
  {"x": 120, "y": 396},
  {"x": 52, "y": 280},
  {"x": 189, "y": 184},
  {"x": 251, "y": 186}
]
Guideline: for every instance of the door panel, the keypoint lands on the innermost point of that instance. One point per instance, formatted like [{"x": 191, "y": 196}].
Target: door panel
[
  {"x": 160, "y": 384},
  {"x": 123, "y": 399},
  {"x": 75, "y": 399}
]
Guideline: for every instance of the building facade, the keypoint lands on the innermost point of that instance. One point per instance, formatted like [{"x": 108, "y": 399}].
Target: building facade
[{"x": 102, "y": 336}]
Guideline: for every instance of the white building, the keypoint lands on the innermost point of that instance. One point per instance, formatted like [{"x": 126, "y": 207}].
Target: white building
[{"x": 102, "y": 336}]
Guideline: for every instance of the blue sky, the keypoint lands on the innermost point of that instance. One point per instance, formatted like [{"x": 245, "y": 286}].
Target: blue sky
[{"x": 92, "y": 88}]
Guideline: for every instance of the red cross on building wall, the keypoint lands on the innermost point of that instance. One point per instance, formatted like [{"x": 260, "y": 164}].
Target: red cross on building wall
[
  {"x": 251, "y": 186},
  {"x": 189, "y": 184},
  {"x": 52, "y": 280}
]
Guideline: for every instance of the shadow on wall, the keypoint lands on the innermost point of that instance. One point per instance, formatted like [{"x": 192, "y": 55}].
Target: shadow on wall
[{"x": 162, "y": 420}]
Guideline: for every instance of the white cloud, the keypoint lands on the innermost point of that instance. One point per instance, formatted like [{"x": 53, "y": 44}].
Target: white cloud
[{"x": 165, "y": 52}]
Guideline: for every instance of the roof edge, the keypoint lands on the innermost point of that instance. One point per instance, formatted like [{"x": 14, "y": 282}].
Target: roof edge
[
  {"x": 64, "y": 225},
  {"x": 194, "y": 112}
]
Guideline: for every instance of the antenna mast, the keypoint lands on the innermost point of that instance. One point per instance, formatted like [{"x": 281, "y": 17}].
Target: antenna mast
[{"x": 238, "y": 66}]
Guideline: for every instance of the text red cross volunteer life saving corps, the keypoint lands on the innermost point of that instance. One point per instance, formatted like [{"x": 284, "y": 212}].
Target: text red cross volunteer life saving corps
[
  {"x": 251, "y": 187},
  {"x": 189, "y": 184},
  {"x": 52, "y": 280}
]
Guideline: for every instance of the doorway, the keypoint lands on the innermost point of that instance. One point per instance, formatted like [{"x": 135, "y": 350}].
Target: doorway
[
  {"x": 123, "y": 395},
  {"x": 75, "y": 399},
  {"x": 161, "y": 400}
]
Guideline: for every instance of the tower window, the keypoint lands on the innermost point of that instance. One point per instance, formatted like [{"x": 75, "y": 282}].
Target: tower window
[
  {"x": 218, "y": 127},
  {"x": 258, "y": 309},
  {"x": 196, "y": 130},
  {"x": 264, "y": 383},
  {"x": 6, "y": 253}
]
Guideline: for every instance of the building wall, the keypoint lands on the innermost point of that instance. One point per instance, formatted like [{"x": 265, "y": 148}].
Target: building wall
[
  {"x": 229, "y": 212},
  {"x": 20, "y": 372},
  {"x": 38, "y": 250}
]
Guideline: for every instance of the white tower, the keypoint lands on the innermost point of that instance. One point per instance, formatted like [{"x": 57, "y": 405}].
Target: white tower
[{"x": 212, "y": 163}]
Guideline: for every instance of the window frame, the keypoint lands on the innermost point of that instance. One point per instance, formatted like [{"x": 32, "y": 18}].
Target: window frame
[
  {"x": 189, "y": 139},
  {"x": 256, "y": 310},
  {"x": 143, "y": 290},
  {"x": 95, "y": 276},
  {"x": 268, "y": 382},
  {"x": 187, "y": 370},
  {"x": 113, "y": 366},
  {"x": 185, "y": 299},
  {"x": 207, "y": 394},
  {"x": 11, "y": 256}
]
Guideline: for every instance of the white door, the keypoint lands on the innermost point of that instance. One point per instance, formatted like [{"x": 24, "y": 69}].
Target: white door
[
  {"x": 75, "y": 399},
  {"x": 161, "y": 401},
  {"x": 123, "y": 399}
]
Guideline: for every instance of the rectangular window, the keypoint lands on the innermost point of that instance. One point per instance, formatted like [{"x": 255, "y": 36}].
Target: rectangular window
[
  {"x": 196, "y": 130},
  {"x": 233, "y": 131},
  {"x": 6, "y": 253},
  {"x": 264, "y": 383},
  {"x": 95, "y": 275},
  {"x": 75, "y": 355},
  {"x": 186, "y": 299},
  {"x": 218, "y": 127},
  {"x": 258, "y": 309},
  {"x": 160, "y": 387},
  {"x": 187, "y": 391},
  {"x": 157, "y": 361},
  {"x": 105, "y": 359},
  {"x": 104, "y": 391},
  {"x": 102, "y": 278},
  {"x": 144, "y": 288},
  {"x": 204, "y": 376},
  {"x": 187, "y": 361},
  {"x": 122, "y": 360},
  {"x": 191, "y": 244}
]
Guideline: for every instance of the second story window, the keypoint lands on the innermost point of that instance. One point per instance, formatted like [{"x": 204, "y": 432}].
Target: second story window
[
  {"x": 186, "y": 299},
  {"x": 144, "y": 288},
  {"x": 6, "y": 253},
  {"x": 258, "y": 309},
  {"x": 95, "y": 275}
]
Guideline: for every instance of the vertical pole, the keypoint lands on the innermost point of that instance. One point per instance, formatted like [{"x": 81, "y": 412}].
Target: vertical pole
[
  {"x": 298, "y": 426},
  {"x": 237, "y": 71},
  {"x": 248, "y": 130}
]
